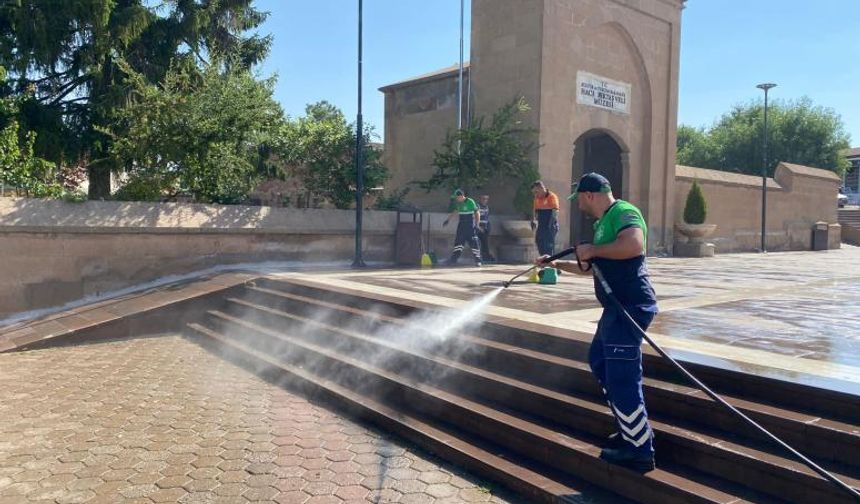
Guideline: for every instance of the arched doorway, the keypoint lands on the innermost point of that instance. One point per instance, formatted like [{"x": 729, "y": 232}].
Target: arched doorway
[{"x": 595, "y": 151}]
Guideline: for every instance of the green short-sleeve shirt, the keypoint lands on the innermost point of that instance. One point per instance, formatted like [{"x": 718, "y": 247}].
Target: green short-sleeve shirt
[
  {"x": 620, "y": 216},
  {"x": 628, "y": 277},
  {"x": 467, "y": 207}
]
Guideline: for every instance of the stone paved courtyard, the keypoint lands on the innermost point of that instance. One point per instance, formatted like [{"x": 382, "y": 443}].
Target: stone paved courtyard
[{"x": 160, "y": 419}]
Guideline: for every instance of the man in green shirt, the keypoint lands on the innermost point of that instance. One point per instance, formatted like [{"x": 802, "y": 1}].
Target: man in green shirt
[
  {"x": 468, "y": 216},
  {"x": 615, "y": 356}
]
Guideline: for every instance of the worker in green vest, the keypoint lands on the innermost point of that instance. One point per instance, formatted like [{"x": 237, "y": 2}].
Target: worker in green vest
[
  {"x": 615, "y": 356},
  {"x": 468, "y": 217}
]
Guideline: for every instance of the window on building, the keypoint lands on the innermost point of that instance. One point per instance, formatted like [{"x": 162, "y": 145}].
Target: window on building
[{"x": 852, "y": 177}]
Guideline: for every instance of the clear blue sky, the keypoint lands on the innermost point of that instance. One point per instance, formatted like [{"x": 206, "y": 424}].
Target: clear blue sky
[{"x": 727, "y": 47}]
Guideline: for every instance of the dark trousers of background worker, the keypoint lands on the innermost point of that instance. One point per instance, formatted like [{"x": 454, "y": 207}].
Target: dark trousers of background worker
[
  {"x": 545, "y": 238},
  {"x": 466, "y": 236},
  {"x": 484, "y": 239},
  {"x": 615, "y": 357}
]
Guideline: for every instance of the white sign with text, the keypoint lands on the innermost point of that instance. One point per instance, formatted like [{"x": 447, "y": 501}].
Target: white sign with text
[{"x": 596, "y": 91}]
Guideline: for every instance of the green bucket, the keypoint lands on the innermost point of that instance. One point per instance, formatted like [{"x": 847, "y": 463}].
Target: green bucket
[{"x": 548, "y": 276}]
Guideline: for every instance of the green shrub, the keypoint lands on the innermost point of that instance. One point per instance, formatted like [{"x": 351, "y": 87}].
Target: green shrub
[
  {"x": 696, "y": 209},
  {"x": 485, "y": 151},
  {"x": 524, "y": 198},
  {"x": 74, "y": 196},
  {"x": 391, "y": 201},
  {"x": 139, "y": 189}
]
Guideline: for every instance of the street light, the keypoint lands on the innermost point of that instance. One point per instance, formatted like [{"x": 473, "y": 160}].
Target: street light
[
  {"x": 765, "y": 87},
  {"x": 460, "y": 77},
  {"x": 358, "y": 261}
]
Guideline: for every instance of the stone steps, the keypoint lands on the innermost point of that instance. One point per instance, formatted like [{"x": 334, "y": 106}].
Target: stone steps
[
  {"x": 587, "y": 414},
  {"x": 814, "y": 405},
  {"x": 534, "y": 406},
  {"x": 850, "y": 222},
  {"x": 849, "y": 217},
  {"x": 536, "y": 485},
  {"x": 509, "y": 437},
  {"x": 825, "y": 438}
]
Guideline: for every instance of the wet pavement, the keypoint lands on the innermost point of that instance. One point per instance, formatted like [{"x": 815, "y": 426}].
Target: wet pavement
[
  {"x": 819, "y": 323},
  {"x": 790, "y": 315},
  {"x": 152, "y": 420}
]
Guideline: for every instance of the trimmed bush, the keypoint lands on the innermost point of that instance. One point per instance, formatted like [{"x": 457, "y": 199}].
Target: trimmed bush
[{"x": 695, "y": 210}]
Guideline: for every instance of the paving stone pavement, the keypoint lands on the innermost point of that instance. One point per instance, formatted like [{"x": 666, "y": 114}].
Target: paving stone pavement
[{"x": 160, "y": 419}]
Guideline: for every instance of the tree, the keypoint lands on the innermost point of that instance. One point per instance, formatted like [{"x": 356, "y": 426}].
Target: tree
[
  {"x": 66, "y": 57},
  {"x": 319, "y": 149},
  {"x": 19, "y": 167},
  {"x": 695, "y": 147},
  {"x": 200, "y": 133},
  {"x": 472, "y": 156},
  {"x": 798, "y": 132}
]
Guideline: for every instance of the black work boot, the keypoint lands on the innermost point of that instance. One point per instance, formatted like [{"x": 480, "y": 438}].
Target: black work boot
[
  {"x": 614, "y": 441},
  {"x": 639, "y": 462}
]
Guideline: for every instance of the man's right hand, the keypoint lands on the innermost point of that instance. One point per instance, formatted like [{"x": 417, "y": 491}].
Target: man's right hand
[
  {"x": 445, "y": 223},
  {"x": 533, "y": 225},
  {"x": 541, "y": 261}
]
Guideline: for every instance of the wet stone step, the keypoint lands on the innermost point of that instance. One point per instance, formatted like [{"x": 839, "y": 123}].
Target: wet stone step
[
  {"x": 738, "y": 462},
  {"x": 581, "y": 451},
  {"x": 830, "y": 440}
]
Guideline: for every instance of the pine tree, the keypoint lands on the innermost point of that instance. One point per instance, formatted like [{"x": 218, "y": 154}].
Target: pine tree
[{"x": 66, "y": 58}]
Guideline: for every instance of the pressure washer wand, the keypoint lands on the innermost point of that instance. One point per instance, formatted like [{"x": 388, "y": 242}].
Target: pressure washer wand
[
  {"x": 713, "y": 395},
  {"x": 563, "y": 253}
]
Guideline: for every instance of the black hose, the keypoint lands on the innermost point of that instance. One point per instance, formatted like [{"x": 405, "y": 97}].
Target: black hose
[{"x": 812, "y": 465}]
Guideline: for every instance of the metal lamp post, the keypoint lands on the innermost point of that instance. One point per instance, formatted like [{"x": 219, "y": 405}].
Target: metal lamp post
[
  {"x": 765, "y": 87},
  {"x": 358, "y": 261},
  {"x": 460, "y": 76}
]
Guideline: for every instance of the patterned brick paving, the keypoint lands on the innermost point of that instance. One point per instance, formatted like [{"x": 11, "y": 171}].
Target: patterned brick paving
[{"x": 156, "y": 420}]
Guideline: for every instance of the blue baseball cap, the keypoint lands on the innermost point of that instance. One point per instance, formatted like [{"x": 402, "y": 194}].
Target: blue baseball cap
[{"x": 590, "y": 182}]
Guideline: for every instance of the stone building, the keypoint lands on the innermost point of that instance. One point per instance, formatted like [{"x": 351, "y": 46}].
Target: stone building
[{"x": 601, "y": 77}]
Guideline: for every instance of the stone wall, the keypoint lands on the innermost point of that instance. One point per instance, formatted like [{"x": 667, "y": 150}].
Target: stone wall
[
  {"x": 55, "y": 252},
  {"x": 797, "y": 197}
]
